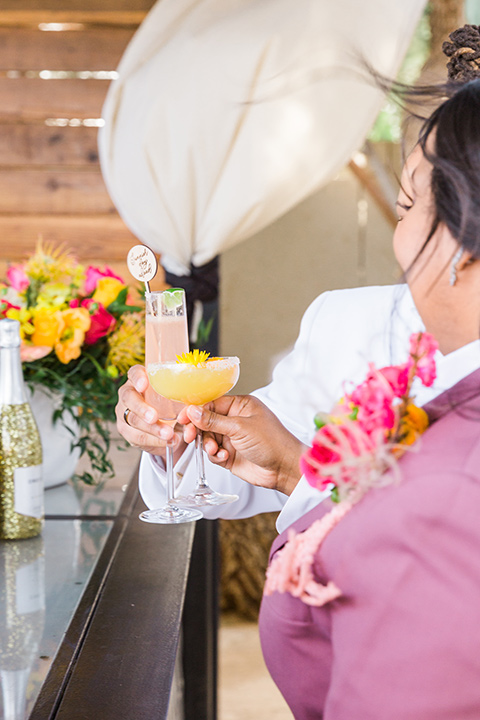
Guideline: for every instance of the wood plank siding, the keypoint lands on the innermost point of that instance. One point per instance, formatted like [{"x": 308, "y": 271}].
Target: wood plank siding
[{"x": 51, "y": 184}]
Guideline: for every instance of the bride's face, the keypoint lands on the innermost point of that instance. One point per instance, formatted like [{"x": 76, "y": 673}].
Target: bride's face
[
  {"x": 415, "y": 213},
  {"x": 427, "y": 274}
]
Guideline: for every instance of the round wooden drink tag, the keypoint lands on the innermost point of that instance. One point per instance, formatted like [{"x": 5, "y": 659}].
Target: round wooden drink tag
[{"x": 142, "y": 263}]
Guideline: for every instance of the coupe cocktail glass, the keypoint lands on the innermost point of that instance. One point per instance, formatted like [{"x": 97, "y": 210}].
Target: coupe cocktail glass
[
  {"x": 196, "y": 383},
  {"x": 166, "y": 336}
]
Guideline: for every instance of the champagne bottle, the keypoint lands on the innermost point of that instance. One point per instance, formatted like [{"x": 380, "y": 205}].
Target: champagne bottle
[{"x": 21, "y": 482}]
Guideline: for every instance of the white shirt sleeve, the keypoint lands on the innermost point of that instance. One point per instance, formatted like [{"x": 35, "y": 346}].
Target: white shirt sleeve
[{"x": 341, "y": 332}]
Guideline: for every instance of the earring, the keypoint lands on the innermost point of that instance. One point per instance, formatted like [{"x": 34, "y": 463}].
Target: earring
[{"x": 453, "y": 266}]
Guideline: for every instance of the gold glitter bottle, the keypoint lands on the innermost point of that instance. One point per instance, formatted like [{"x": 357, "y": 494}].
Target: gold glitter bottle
[{"x": 21, "y": 482}]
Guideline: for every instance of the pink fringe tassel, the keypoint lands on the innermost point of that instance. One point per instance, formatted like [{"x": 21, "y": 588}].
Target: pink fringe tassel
[{"x": 291, "y": 568}]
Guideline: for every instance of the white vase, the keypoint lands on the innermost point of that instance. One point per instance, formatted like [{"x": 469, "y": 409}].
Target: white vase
[{"x": 59, "y": 460}]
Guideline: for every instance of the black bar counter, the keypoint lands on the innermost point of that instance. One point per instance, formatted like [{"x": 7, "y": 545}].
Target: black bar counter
[{"x": 98, "y": 629}]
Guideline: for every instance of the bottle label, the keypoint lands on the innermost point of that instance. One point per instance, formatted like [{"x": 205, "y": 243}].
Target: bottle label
[
  {"x": 29, "y": 491},
  {"x": 30, "y": 588}
]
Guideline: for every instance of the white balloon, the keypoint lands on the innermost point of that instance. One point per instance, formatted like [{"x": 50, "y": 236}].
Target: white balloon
[{"x": 227, "y": 113}]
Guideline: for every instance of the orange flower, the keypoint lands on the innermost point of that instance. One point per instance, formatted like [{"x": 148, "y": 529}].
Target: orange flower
[
  {"x": 412, "y": 424},
  {"x": 48, "y": 325},
  {"x": 76, "y": 323},
  {"x": 107, "y": 290}
]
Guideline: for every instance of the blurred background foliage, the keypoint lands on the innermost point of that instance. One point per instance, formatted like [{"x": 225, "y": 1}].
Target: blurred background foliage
[{"x": 388, "y": 126}]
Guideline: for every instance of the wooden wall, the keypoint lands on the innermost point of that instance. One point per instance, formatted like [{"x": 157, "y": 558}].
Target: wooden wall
[{"x": 56, "y": 60}]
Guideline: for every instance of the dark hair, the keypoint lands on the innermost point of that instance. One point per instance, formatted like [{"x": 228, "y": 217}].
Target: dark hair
[
  {"x": 455, "y": 157},
  {"x": 454, "y": 127},
  {"x": 464, "y": 53}
]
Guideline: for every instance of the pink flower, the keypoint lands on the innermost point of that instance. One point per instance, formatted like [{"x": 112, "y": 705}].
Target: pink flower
[
  {"x": 17, "y": 277},
  {"x": 333, "y": 457},
  {"x": 423, "y": 347},
  {"x": 94, "y": 274},
  {"x": 314, "y": 460},
  {"x": 374, "y": 398},
  {"x": 101, "y": 322},
  {"x": 397, "y": 378},
  {"x": 30, "y": 353}
]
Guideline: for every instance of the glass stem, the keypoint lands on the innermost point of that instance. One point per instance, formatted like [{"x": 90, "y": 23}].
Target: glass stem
[
  {"x": 200, "y": 461},
  {"x": 170, "y": 475}
]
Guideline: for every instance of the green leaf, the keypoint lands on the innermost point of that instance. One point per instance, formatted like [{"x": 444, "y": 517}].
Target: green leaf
[
  {"x": 203, "y": 332},
  {"x": 84, "y": 384},
  {"x": 335, "y": 497},
  {"x": 31, "y": 293},
  {"x": 321, "y": 419},
  {"x": 119, "y": 307}
]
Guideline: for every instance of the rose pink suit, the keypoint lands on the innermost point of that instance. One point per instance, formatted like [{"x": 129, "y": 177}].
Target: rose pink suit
[{"x": 403, "y": 641}]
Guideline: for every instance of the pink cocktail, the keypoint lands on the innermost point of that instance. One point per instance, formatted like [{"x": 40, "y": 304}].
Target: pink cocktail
[{"x": 166, "y": 336}]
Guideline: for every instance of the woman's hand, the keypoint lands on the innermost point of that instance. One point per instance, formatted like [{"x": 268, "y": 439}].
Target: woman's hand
[
  {"x": 244, "y": 436},
  {"x": 144, "y": 429}
]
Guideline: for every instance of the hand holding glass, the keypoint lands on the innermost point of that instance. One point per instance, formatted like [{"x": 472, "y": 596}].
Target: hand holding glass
[{"x": 196, "y": 383}]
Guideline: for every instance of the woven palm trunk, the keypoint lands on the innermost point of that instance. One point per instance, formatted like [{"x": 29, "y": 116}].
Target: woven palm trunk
[{"x": 245, "y": 546}]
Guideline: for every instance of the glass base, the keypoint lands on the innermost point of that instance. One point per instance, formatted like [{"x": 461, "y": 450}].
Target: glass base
[
  {"x": 206, "y": 496},
  {"x": 170, "y": 515}
]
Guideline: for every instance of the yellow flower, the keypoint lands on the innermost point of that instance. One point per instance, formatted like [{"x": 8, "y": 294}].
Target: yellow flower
[
  {"x": 54, "y": 295},
  {"x": 194, "y": 357},
  {"x": 412, "y": 424},
  {"x": 127, "y": 343},
  {"x": 24, "y": 317},
  {"x": 76, "y": 323},
  {"x": 50, "y": 264},
  {"x": 107, "y": 290},
  {"x": 48, "y": 324}
]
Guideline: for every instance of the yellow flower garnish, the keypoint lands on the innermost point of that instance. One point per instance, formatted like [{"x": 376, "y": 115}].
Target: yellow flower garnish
[{"x": 194, "y": 357}]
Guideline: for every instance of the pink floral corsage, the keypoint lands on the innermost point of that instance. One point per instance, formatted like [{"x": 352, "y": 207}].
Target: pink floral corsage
[{"x": 362, "y": 438}]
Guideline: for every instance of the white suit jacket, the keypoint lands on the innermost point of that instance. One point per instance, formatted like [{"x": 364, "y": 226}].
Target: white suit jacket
[{"x": 341, "y": 332}]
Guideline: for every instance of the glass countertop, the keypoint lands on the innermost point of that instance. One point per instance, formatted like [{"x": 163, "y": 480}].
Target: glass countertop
[
  {"x": 43, "y": 579},
  {"x": 75, "y": 499}
]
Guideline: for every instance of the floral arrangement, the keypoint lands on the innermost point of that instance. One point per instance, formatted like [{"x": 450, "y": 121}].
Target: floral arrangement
[
  {"x": 80, "y": 331},
  {"x": 363, "y": 437}
]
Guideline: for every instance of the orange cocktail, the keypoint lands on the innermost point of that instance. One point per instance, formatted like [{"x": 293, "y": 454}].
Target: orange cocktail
[
  {"x": 194, "y": 384},
  {"x": 196, "y": 379}
]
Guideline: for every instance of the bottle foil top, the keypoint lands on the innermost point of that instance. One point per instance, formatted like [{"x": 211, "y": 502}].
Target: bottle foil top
[{"x": 9, "y": 333}]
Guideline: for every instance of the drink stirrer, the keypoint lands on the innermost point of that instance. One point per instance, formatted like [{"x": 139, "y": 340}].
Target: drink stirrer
[{"x": 142, "y": 264}]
